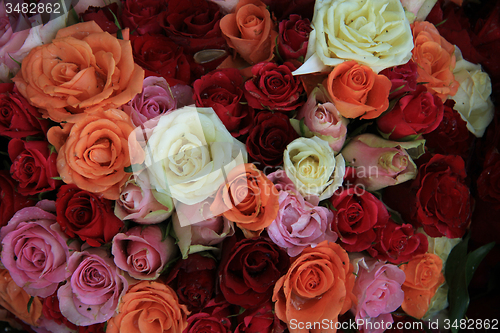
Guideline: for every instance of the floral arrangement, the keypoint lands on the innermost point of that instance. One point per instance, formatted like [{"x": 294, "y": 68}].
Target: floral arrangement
[{"x": 248, "y": 165}]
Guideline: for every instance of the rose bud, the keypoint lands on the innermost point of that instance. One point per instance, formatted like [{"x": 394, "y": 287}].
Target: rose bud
[
  {"x": 380, "y": 163},
  {"x": 293, "y": 37}
]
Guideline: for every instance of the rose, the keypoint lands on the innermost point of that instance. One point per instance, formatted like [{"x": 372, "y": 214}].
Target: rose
[
  {"x": 52, "y": 312},
  {"x": 356, "y": 217},
  {"x": 193, "y": 280},
  {"x": 318, "y": 286},
  {"x": 374, "y": 33},
  {"x": 472, "y": 99},
  {"x": 222, "y": 91},
  {"x": 33, "y": 166},
  {"x": 293, "y": 37},
  {"x": 423, "y": 277},
  {"x": 311, "y": 166},
  {"x": 34, "y": 249},
  {"x": 442, "y": 246},
  {"x": 104, "y": 17},
  {"x": 93, "y": 153},
  {"x": 435, "y": 59},
  {"x": 357, "y": 91},
  {"x": 273, "y": 87},
  {"x": 249, "y": 269},
  {"x": 142, "y": 16},
  {"x": 249, "y": 31},
  {"x": 65, "y": 84},
  {"x": 85, "y": 215},
  {"x": 419, "y": 8},
  {"x": 143, "y": 252},
  {"x": 268, "y": 138},
  {"x": 137, "y": 302},
  {"x": 12, "y": 201},
  {"x": 398, "y": 243},
  {"x": 18, "y": 119},
  {"x": 198, "y": 147},
  {"x": 93, "y": 288},
  {"x": 380, "y": 163},
  {"x": 205, "y": 323},
  {"x": 488, "y": 183},
  {"x": 259, "y": 320},
  {"x": 403, "y": 78},
  {"x": 418, "y": 113}
]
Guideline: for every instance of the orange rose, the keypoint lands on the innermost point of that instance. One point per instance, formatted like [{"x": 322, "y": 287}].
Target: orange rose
[
  {"x": 356, "y": 90},
  {"x": 94, "y": 151},
  {"x": 149, "y": 307},
  {"x": 250, "y": 31},
  {"x": 82, "y": 70},
  {"x": 435, "y": 58},
  {"x": 423, "y": 277},
  {"x": 318, "y": 286},
  {"x": 14, "y": 299},
  {"x": 248, "y": 198}
]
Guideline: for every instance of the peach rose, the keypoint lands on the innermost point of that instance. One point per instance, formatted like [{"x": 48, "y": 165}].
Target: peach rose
[
  {"x": 250, "y": 31},
  {"x": 93, "y": 153},
  {"x": 248, "y": 198},
  {"x": 423, "y": 277},
  {"x": 435, "y": 58},
  {"x": 14, "y": 299},
  {"x": 82, "y": 70},
  {"x": 318, "y": 286},
  {"x": 356, "y": 90},
  {"x": 149, "y": 307}
]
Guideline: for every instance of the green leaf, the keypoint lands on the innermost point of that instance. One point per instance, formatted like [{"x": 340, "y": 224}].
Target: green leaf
[
  {"x": 131, "y": 168},
  {"x": 17, "y": 62},
  {"x": 398, "y": 89},
  {"x": 302, "y": 126},
  {"x": 69, "y": 241},
  {"x": 56, "y": 178},
  {"x": 455, "y": 257},
  {"x": 32, "y": 298},
  {"x": 170, "y": 264},
  {"x": 474, "y": 259}
]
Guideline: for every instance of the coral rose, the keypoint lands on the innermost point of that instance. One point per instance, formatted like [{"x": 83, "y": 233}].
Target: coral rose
[
  {"x": 94, "y": 152},
  {"x": 82, "y": 70},
  {"x": 317, "y": 287},
  {"x": 356, "y": 90},
  {"x": 149, "y": 307}
]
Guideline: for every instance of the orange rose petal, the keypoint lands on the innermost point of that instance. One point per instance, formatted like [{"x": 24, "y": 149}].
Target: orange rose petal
[
  {"x": 416, "y": 302},
  {"x": 250, "y": 21},
  {"x": 57, "y": 135}
]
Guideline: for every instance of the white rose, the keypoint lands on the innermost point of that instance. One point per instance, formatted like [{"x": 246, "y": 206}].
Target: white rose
[
  {"x": 189, "y": 153},
  {"x": 441, "y": 246},
  {"x": 472, "y": 99},
  {"x": 311, "y": 165},
  {"x": 375, "y": 33}
]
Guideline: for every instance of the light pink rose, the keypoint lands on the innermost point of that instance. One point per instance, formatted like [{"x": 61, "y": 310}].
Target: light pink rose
[
  {"x": 143, "y": 252},
  {"x": 93, "y": 289},
  {"x": 34, "y": 249}
]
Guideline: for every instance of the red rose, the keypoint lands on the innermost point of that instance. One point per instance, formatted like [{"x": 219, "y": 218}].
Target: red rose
[
  {"x": 141, "y": 16},
  {"x": 269, "y": 136},
  {"x": 357, "y": 214},
  {"x": 221, "y": 90},
  {"x": 273, "y": 87},
  {"x": 398, "y": 243},
  {"x": 260, "y": 320},
  {"x": 51, "y": 311},
  {"x": 12, "y": 200},
  {"x": 403, "y": 78},
  {"x": 193, "y": 279},
  {"x": 443, "y": 201},
  {"x": 293, "y": 37},
  {"x": 103, "y": 16},
  {"x": 249, "y": 269},
  {"x": 205, "y": 323},
  {"x": 86, "y": 215},
  {"x": 488, "y": 183},
  {"x": 159, "y": 54},
  {"x": 96, "y": 328},
  {"x": 18, "y": 118},
  {"x": 418, "y": 113},
  {"x": 285, "y": 8},
  {"x": 33, "y": 166}
]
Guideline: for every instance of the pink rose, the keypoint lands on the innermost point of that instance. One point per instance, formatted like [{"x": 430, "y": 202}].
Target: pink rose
[
  {"x": 93, "y": 289},
  {"x": 34, "y": 249},
  {"x": 143, "y": 252}
]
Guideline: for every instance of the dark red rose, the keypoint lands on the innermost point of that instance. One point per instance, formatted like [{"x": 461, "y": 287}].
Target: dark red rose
[
  {"x": 249, "y": 270},
  {"x": 222, "y": 91},
  {"x": 205, "y": 323},
  {"x": 269, "y": 136},
  {"x": 18, "y": 118},
  {"x": 418, "y": 113},
  {"x": 403, "y": 78},
  {"x": 96, "y": 328},
  {"x": 273, "y": 87},
  {"x": 159, "y": 54},
  {"x": 86, "y": 215},
  {"x": 33, "y": 166},
  {"x": 293, "y": 37},
  {"x": 488, "y": 183},
  {"x": 51, "y": 311},
  {"x": 141, "y": 16},
  {"x": 103, "y": 16},
  {"x": 12, "y": 200},
  {"x": 285, "y": 8},
  {"x": 443, "y": 201},
  {"x": 398, "y": 243},
  {"x": 357, "y": 214},
  {"x": 260, "y": 320},
  {"x": 193, "y": 279}
]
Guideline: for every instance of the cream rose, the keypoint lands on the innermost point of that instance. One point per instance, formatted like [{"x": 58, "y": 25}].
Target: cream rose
[
  {"x": 311, "y": 165},
  {"x": 375, "y": 33},
  {"x": 472, "y": 99}
]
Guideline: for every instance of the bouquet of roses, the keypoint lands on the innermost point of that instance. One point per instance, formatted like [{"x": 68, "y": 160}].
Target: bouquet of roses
[{"x": 247, "y": 166}]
